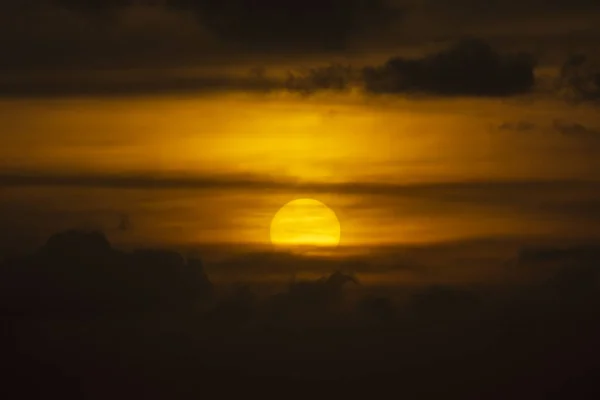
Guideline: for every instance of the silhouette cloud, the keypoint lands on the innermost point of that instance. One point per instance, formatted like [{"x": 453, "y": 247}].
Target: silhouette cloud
[
  {"x": 471, "y": 67},
  {"x": 78, "y": 271},
  {"x": 520, "y": 126},
  {"x": 579, "y": 79},
  {"x": 333, "y": 77},
  {"x": 575, "y": 129},
  {"x": 308, "y": 24},
  {"x": 79, "y": 310}
]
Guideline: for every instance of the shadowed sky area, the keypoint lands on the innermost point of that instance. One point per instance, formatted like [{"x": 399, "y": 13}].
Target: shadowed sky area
[{"x": 146, "y": 148}]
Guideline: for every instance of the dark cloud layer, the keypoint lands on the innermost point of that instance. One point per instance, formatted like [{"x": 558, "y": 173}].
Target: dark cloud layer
[
  {"x": 570, "y": 129},
  {"x": 512, "y": 8},
  {"x": 308, "y": 24},
  {"x": 90, "y": 31},
  {"x": 70, "y": 34},
  {"x": 579, "y": 79},
  {"x": 54, "y": 38},
  {"x": 87, "y": 320},
  {"x": 520, "y": 126},
  {"x": 333, "y": 77},
  {"x": 261, "y": 182},
  {"x": 132, "y": 87},
  {"x": 313, "y": 24},
  {"x": 575, "y": 129},
  {"x": 471, "y": 67}
]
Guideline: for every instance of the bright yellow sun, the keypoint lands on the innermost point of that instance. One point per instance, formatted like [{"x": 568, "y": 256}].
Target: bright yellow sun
[{"x": 305, "y": 222}]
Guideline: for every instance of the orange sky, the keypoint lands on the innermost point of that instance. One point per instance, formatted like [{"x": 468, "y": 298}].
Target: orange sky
[{"x": 324, "y": 139}]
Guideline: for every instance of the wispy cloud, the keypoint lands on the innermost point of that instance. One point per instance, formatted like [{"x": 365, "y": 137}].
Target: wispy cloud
[{"x": 252, "y": 181}]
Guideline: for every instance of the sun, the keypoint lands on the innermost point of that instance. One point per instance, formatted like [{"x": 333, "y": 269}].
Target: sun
[{"x": 305, "y": 223}]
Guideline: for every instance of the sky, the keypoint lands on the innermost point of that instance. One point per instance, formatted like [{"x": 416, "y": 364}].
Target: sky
[
  {"x": 196, "y": 121},
  {"x": 363, "y": 194}
]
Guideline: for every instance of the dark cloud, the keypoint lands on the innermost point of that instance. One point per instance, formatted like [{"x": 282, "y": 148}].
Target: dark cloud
[
  {"x": 581, "y": 255},
  {"x": 547, "y": 26},
  {"x": 453, "y": 190},
  {"x": 307, "y": 24},
  {"x": 575, "y": 129},
  {"x": 170, "y": 35},
  {"x": 52, "y": 47},
  {"x": 280, "y": 265},
  {"x": 471, "y": 67},
  {"x": 72, "y": 34},
  {"x": 565, "y": 128},
  {"x": 512, "y": 8},
  {"x": 80, "y": 272},
  {"x": 305, "y": 300},
  {"x": 267, "y": 25},
  {"x": 133, "y": 86},
  {"x": 78, "y": 309},
  {"x": 520, "y": 126},
  {"x": 58, "y": 39},
  {"x": 333, "y": 77},
  {"x": 92, "y": 5},
  {"x": 579, "y": 79}
]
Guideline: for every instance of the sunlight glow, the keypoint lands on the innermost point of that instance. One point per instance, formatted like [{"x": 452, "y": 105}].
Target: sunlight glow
[{"x": 305, "y": 222}]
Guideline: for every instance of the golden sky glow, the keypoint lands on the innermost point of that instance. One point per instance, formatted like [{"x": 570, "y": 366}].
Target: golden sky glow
[{"x": 325, "y": 139}]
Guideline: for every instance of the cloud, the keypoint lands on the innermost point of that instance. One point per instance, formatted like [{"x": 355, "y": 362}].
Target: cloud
[
  {"x": 307, "y": 301},
  {"x": 579, "y": 79},
  {"x": 90, "y": 34},
  {"x": 333, "y": 77},
  {"x": 533, "y": 198},
  {"x": 58, "y": 39},
  {"x": 583, "y": 255},
  {"x": 80, "y": 272},
  {"x": 132, "y": 86},
  {"x": 526, "y": 23},
  {"x": 158, "y": 39},
  {"x": 565, "y": 128},
  {"x": 78, "y": 306},
  {"x": 470, "y": 68},
  {"x": 72, "y": 36},
  {"x": 520, "y": 126},
  {"x": 326, "y": 25},
  {"x": 277, "y": 266},
  {"x": 455, "y": 190},
  {"x": 570, "y": 272},
  {"x": 95, "y": 5},
  {"x": 268, "y": 25},
  {"x": 513, "y": 9},
  {"x": 575, "y": 129}
]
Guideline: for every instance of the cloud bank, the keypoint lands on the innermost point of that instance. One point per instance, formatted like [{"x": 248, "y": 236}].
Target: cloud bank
[
  {"x": 470, "y": 68},
  {"x": 79, "y": 309}
]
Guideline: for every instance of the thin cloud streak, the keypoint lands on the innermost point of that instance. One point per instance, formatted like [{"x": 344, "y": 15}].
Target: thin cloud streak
[{"x": 241, "y": 181}]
